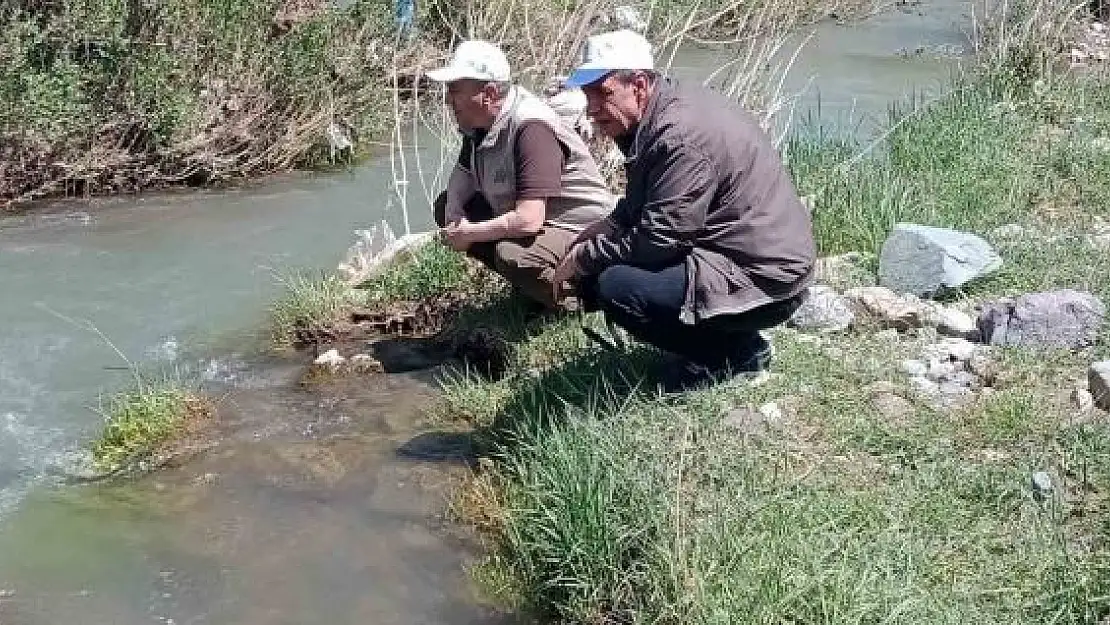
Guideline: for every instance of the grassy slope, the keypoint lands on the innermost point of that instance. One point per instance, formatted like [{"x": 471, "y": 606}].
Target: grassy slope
[{"x": 609, "y": 502}]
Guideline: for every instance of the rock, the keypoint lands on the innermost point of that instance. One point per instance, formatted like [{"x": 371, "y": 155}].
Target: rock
[
  {"x": 924, "y": 385},
  {"x": 887, "y": 307},
  {"x": 958, "y": 381},
  {"x": 924, "y": 260},
  {"x": 1098, "y": 382},
  {"x": 771, "y": 412},
  {"x": 810, "y": 202},
  {"x": 570, "y": 106},
  {"x": 330, "y": 359},
  {"x": 365, "y": 363},
  {"x": 1057, "y": 319},
  {"x": 823, "y": 311},
  {"x": 949, "y": 321},
  {"x": 1041, "y": 482},
  {"x": 984, "y": 367},
  {"x": 1010, "y": 232},
  {"x": 1082, "y": 399},
  {"x": 845, "y": 271},
  {"x": 950, "y": 349},
  {"x": 941, "y": 370},
  {"x": 915, "y": 368}
]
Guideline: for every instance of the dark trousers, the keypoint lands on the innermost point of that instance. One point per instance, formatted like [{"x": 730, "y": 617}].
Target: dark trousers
[{"x": 647, "y": 304}]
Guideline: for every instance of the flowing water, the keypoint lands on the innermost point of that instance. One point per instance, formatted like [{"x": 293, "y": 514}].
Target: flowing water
[{"x": 305, "y": 513}]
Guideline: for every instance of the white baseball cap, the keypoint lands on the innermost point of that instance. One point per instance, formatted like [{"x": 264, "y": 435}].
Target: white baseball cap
[
  {"x": 608, "y": 52},
  {"x": 475, "y": 59}
]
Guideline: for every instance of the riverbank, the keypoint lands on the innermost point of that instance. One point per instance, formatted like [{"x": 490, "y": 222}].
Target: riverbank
[
  {"x": 120, "y": 97},
  {"x": 882, "y": 470}
]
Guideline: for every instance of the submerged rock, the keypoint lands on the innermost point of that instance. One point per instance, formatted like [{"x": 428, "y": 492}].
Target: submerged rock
[
  {"x": 1056, "y": 319},
  {"x": 925, "y": 260}
]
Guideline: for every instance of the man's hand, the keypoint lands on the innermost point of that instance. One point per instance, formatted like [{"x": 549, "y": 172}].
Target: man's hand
[
  {"x": 599, "y": 227},
  {"x": 458, "y": 235},
  {"x": 566, "y": 270}
]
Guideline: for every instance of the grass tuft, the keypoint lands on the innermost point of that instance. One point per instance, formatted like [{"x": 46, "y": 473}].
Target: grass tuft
[{"x": 139, "y": 421}]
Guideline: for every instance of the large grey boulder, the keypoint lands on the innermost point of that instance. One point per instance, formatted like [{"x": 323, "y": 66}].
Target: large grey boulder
[
  {"x": 1098, "y": 382},
  {"x": 925, "y": 260},
  {"x": 1061, "y": 319}
]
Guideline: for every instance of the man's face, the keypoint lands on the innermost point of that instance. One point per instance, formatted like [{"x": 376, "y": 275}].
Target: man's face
[
  {"x": 470, "y": 102},
  {"x": 616, "y": 106}
]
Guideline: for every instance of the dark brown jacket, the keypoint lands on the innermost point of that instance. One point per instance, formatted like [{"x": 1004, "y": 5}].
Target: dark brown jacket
[{"x": 707, "y": 187}]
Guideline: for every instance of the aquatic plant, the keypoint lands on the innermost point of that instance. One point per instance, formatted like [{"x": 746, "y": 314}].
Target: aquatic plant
[{"x": 142, "y": 421}]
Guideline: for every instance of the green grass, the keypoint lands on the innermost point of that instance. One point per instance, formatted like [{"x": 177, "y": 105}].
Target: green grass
[
  {"x": 433, "y": 269},
  {"x": 990, "y": 153},
  {"x": 308, "y": 302},
  {"x": 608, "y": 503},
  {"x": 139, "y": 420},
  {"x": 316, "y": 302}
]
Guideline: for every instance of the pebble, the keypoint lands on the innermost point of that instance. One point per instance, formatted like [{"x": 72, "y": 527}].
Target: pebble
[
  {"x": 941, "y": 370},
  {"x": 771, "y": 411},
  {"x": 1042, "y": 484},
  {"x": 923, "y": 385},
  {"x": 1082, "y": 399},
  {"x": 330, "y": 358},
  {"x": 914, "y": 368}
]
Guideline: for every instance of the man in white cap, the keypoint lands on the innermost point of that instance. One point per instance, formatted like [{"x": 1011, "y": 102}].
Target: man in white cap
[
  {"x": 710, "y": 243},
  {"x": 524, "y": 185}
]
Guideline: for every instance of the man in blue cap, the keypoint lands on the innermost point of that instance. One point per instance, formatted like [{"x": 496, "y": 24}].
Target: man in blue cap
[{"x": 711, "y": 243}]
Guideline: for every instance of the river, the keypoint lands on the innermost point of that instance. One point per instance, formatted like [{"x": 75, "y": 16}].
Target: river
[{"x": 306, "y": 514}]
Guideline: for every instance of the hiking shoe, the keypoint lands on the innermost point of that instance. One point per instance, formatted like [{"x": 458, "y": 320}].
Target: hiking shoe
[{"x": 680, "y": 375}]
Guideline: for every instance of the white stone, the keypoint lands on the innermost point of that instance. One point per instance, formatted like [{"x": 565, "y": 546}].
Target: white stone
[
  {"x": 330, "y": 358},
  {"x": 950, "y": 349},
  {"x": 365, "y": 363},
  {"x": 949, "y": 321},
  {"x": 1009, "y": 232},
  {"x": 771, "y": 412},
  {"x": 924, "y": 385},
  {"x": 914, "y": 368},
  {"x": 941, "y": 370},
  {"x": 1082, "y": 399}
]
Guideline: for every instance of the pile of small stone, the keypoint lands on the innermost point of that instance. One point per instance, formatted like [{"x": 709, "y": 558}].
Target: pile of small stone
[
  {"x": 919, "y": 262},
  {"x": 951, "y": 370}
]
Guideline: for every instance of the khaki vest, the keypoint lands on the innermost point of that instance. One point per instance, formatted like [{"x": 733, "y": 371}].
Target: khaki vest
[{"x": 583, "y": 198}]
